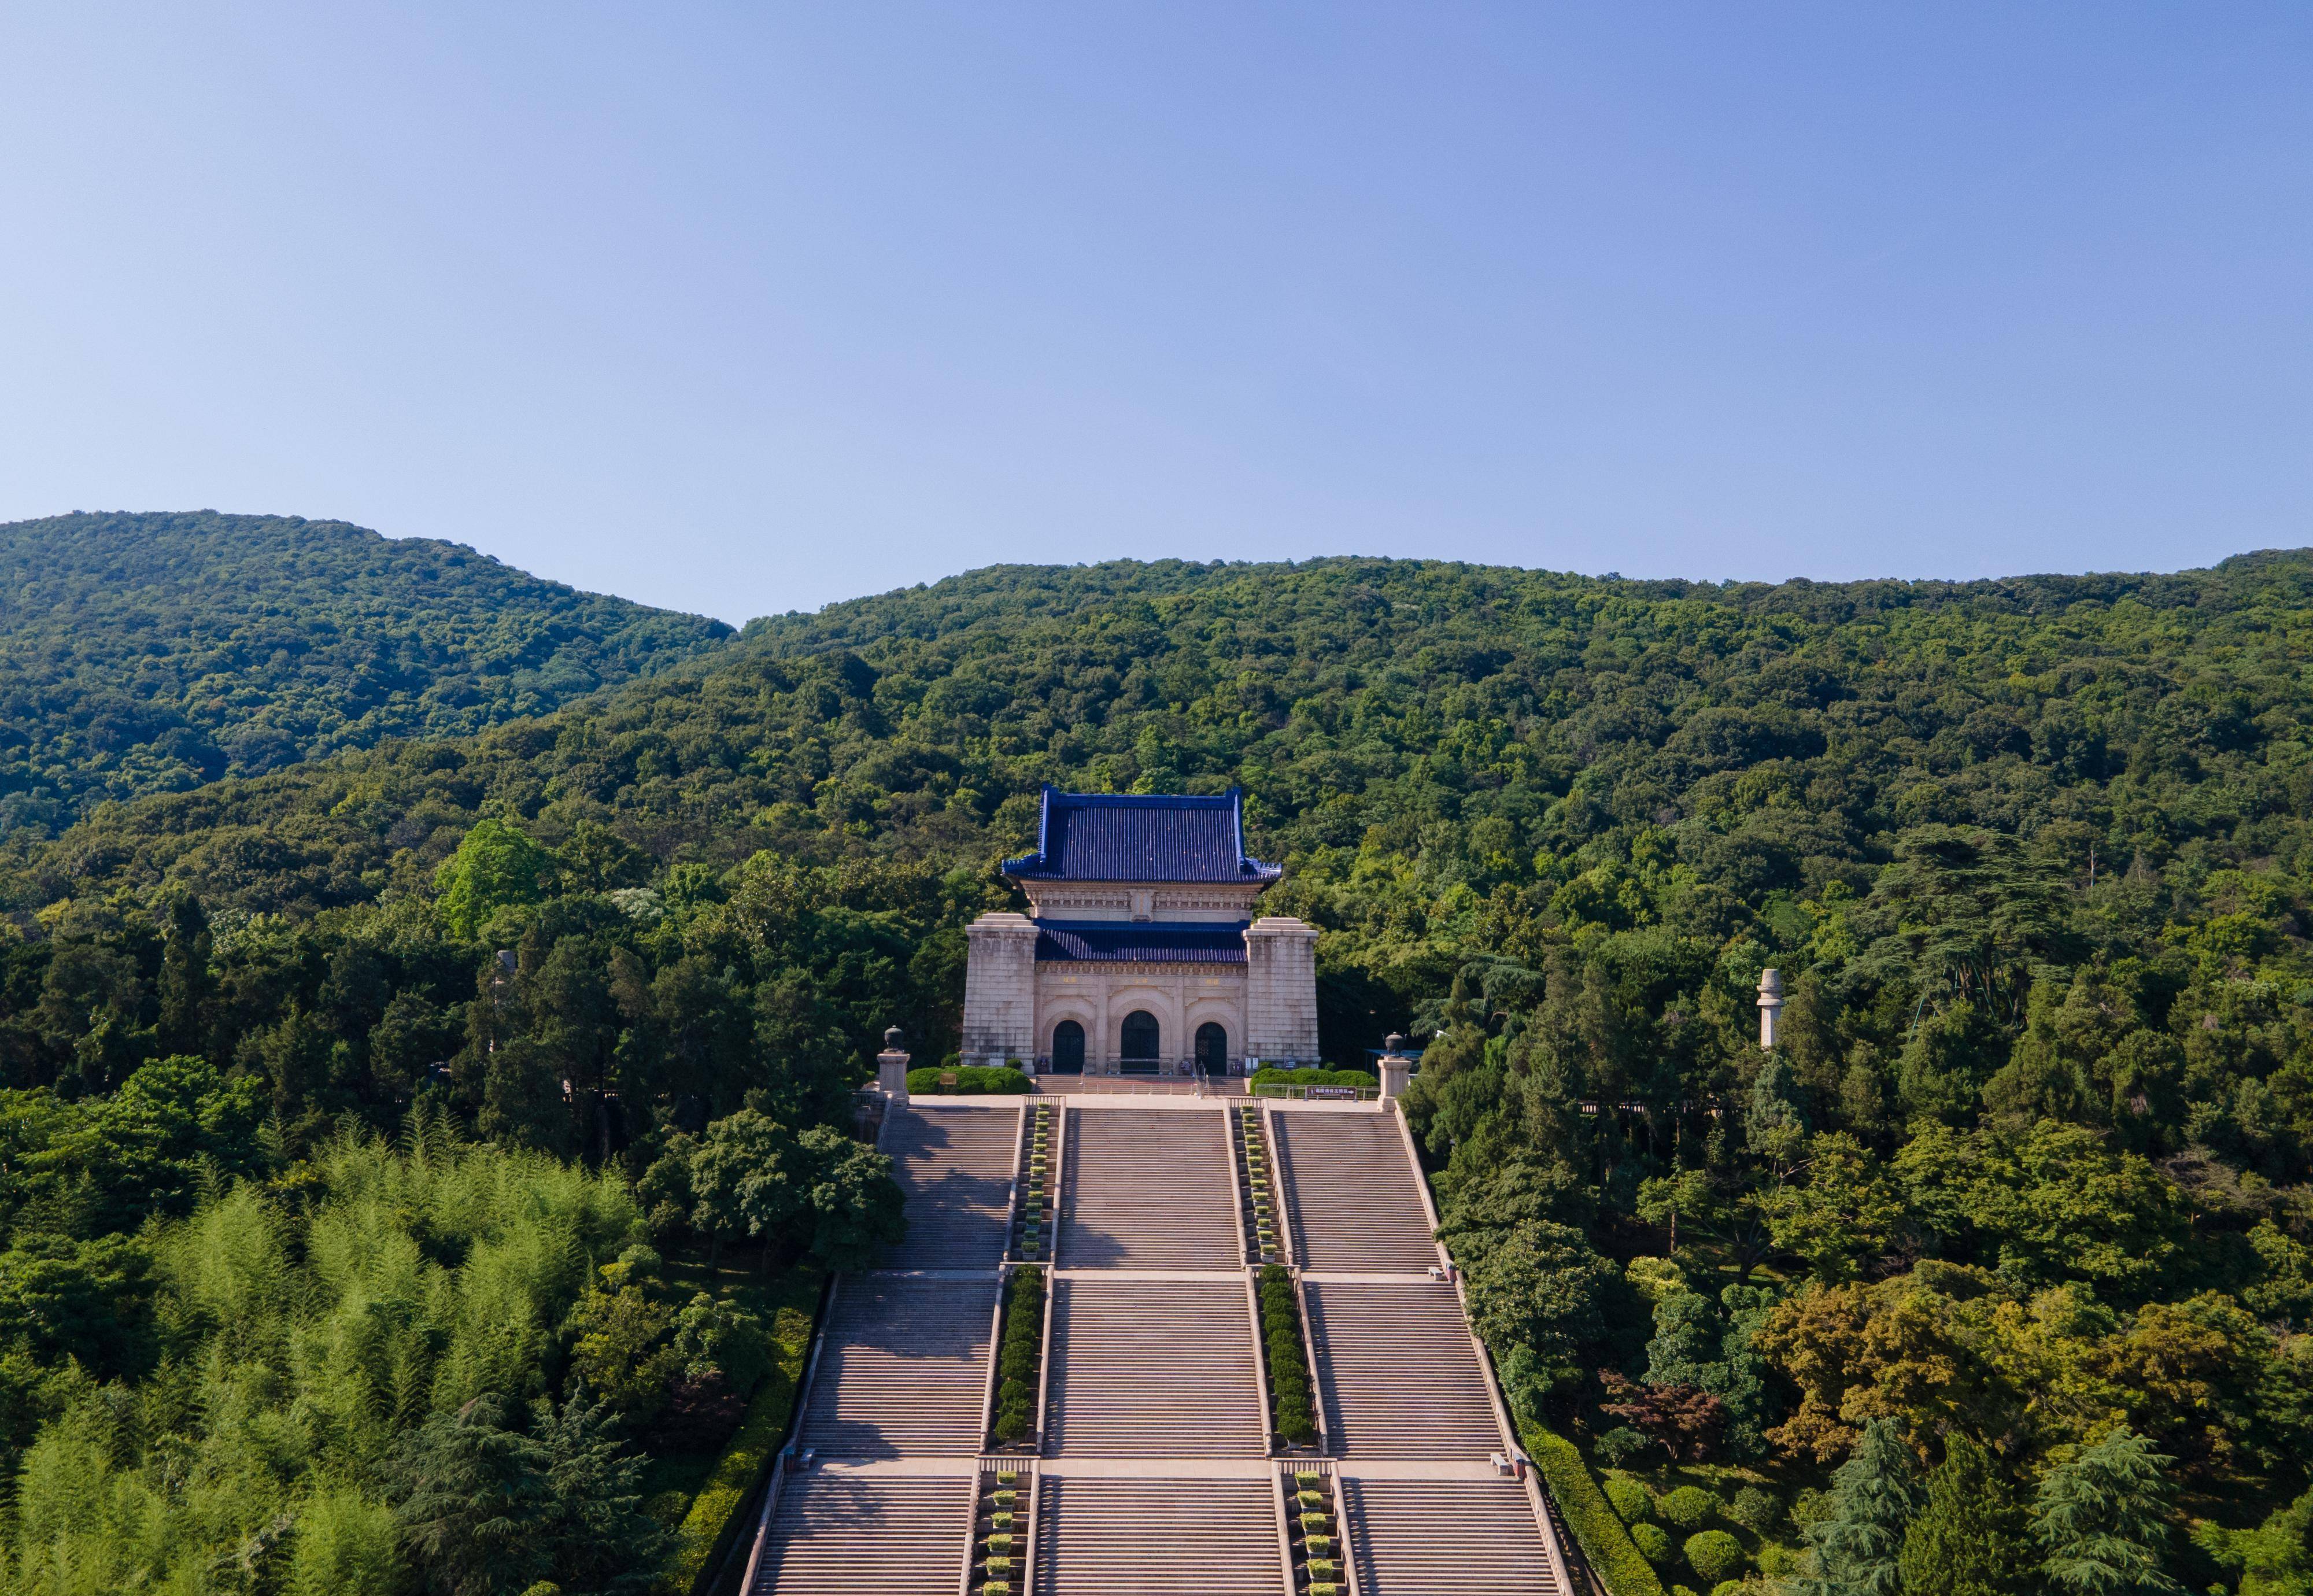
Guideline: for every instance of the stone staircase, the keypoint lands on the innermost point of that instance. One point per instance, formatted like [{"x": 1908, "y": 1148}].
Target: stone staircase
[
  {"x": 954, "y": 1163},
  {"x": 1446, "y": 1538},
  {"x": 1153, "y": 1369},
  {"x": 839, "y": 1534},
  {"x": 902, "y": 1368},
  {"x": 1148, "y": 1188},
  {"x": 1397, "y": 1372},
  {"x": 1106, "y": 1537},
  {"x": 1355, "y": 1202}
]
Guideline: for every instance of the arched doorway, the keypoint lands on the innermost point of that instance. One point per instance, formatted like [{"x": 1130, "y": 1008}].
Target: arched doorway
[
  {"x": 1140, "y": 1042},
  {"x": 1068, "y": 1048},
  {"x": 1212, "y": 1049}
]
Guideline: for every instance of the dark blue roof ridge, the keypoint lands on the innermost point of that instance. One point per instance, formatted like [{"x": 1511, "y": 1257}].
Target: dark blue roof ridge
[{"x": 1158, "y": 837}]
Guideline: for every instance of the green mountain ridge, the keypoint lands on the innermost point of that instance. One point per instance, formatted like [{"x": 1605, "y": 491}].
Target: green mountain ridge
[
  {"x": 153, "y": 653},
  {"x": 2023, "y": 1201}
]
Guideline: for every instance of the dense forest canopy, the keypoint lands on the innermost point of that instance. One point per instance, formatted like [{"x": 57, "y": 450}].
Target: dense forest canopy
[
  {"x": 2024, "y": 1198},
  {"x": 152, "y": 653}
]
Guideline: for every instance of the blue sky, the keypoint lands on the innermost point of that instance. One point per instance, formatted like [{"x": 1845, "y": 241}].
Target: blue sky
[{"x": 747, "y": 308}]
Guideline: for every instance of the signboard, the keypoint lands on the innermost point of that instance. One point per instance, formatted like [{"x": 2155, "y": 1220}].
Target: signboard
[{"x": 1348, "y": 1094}]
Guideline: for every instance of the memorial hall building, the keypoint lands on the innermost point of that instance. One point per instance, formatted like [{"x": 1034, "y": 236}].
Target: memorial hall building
[{"x": 1140, "y": 954}]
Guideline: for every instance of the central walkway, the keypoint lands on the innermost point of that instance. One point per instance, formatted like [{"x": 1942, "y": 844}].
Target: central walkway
[{"x": 1151, "y": 1469}]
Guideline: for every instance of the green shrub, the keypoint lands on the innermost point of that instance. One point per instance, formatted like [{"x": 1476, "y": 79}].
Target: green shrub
[
  {"x": 1715, "y": 1556},
  {"x": 1781, "y": 1562},
  {"x": 971, "y": 1080},
  {"x": 1612, "y": 1554},
  {"x": 1810, "y": 1507},
  {"x": 1730, "y": 1587},
  {"x": 1653, "y": 1542},
  {"x": 1622, "y": 1446},
  {"x": 1758, "y": 1511},
  {"x": 1689, "y": 1507},
  {"x": 1632, "y": 1502}
]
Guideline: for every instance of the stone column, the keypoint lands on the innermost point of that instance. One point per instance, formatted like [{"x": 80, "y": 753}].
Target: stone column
[
  {"x": 1396, "y": 1067},
  {"x": 1280, "y": 991},
  {"x": 891, "y": 1068},
  {"x": 1000, "y": 990},
  {"x": 1770, "y": 1007}
]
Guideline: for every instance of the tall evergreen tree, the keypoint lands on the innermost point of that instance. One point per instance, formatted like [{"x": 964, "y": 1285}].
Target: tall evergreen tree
[
  {"x": 185, "y": 981},
  {"x": 1968, "y": 1539},
  {"x": 1875, "y": 1496},
  {"x": 2102, "y": 1520}
]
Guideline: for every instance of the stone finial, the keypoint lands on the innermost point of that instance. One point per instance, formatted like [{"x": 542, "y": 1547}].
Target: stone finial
[
  {"x": 1394, "y": 1043},
  {"x": 1771, "y": 1005},
  {"x": 891, "y": 1068}
]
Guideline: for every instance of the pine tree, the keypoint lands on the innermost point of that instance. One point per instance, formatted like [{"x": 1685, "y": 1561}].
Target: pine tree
[
  {"x": 184, "y": 984},
  {"x": 1875, "y": 1496},
  {"x": 2101, "y": 1520},
  {"x": 1968, "y": 1539}
]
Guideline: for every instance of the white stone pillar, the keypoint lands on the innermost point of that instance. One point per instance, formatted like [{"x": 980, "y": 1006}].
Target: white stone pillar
[
  {"x": 891, "y": 1068},
  {"x": 1396, "y": 1067},
  {"x": 1280, "y": 991},
  {"x": 1000, "y": 990},
  {"x": 1771, "y": 1005}
]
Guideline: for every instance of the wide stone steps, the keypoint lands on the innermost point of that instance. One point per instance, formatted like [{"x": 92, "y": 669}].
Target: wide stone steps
[
  {"x": 851, "y": 1535},
  {"x": 1157, "y": 1538},
  {"x": 1354, "y": 1196},
  {"x": 903, "y": 1368},
  {"x": 1153, "y": 1369},
  {"x": 954, "y": 1164},
  {"x": 1436, "y": 1537},
  {"x": 1148, "y": 1189},
  {"x": 1397, "y": 1372}
]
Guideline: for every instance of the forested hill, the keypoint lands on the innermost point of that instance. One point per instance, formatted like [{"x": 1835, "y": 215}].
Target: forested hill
[
  {"x": 2025, "y": 1196},
  {"x": 151, "y": 653}
]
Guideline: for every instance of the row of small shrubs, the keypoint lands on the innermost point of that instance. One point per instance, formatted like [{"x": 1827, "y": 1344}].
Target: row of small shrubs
[
  {"x": 1312, "y": 1077},
  {"x": 1019, "y": 1358},
  {"x": 969, "y": 1081},
  {"x": 1288, "y": 1368},
  {"x": 1716, "y": 1557},
  {"x": 1691, "y": 1507}
]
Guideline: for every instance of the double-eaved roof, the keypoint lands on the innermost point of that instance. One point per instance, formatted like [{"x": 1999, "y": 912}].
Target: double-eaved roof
[{"x": 1157, "y": 837}]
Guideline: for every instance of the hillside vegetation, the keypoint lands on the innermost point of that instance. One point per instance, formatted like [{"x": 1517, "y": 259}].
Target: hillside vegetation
[
  {"x": 2020, "y": 1208},
  {"x": 152, "y": 653}
]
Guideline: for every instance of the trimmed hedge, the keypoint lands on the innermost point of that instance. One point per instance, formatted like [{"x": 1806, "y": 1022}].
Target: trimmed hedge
[
  {"x": 971, "y": 1080},
  {"x": 1019, "y": 1359},
  {"x": 1311, "y": 1078},
  {"x": 1612, "y": 1555},
  {"x": 1288, "y": 1368},
  {"x": 706, "y": 1529}
]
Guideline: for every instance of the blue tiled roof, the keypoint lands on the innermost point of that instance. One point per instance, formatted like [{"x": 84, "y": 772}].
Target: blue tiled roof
[
  {"x": 1067, "y": 941},
  {"x": 1100, "y": 836}
]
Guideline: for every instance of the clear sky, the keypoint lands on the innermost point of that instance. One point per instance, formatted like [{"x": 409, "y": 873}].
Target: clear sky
[{"x": 743, "y": 308}]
